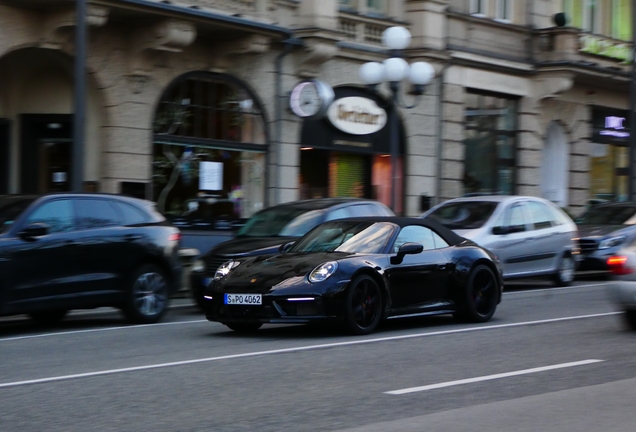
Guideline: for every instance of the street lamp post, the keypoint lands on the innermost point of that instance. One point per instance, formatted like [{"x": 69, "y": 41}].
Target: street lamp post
[{"x": 394, "y": 71}]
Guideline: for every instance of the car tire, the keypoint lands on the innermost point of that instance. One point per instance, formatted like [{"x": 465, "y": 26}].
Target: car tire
[
  {"x": 565, "y": 272},
  {"x": 147, "y": 296},
  {"x": 363, "y": 306},
  {"x": 49, "y": 317},
  {"x": 244, "y": 327},
  {"x": 479, "y": 297},
  {"x": 630, "y": 319}
]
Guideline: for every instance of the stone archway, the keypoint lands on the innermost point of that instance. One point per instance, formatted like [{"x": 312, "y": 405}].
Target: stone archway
[
  {"x": 36, "y": 100},
  {"x": 555, "y": 166}
]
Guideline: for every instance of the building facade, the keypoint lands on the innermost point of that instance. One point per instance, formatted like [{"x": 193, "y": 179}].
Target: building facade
[{"x": 187, "y": 101}]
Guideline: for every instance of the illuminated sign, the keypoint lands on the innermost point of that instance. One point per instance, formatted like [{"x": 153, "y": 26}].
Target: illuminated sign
[{"x": 614, "y": 127}]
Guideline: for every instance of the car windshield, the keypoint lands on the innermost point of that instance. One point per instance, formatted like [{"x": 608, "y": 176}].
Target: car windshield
[
  {"x": 464, "y": 214},
  {"x": 608, "y": 215},
  {"x": 281, "y": 222},
  {"x": 346, "y": 236},
  {"x": 10, "y": 209}
]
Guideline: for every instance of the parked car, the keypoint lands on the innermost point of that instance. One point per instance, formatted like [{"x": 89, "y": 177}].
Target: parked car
[
  {"x": 268, "y": 229},
  {"x": 603, "y": 231},
  {"x": 359, "y": 271},
  {"x": 75, "y": 251},
  {"x": 530, "y": 236},
  {"x": 622, "y": 287}
]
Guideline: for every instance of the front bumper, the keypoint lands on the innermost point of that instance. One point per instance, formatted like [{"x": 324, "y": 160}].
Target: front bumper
[{"x": 276, "y": 310}]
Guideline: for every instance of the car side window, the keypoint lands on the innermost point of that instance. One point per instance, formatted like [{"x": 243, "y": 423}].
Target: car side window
[
  {"x": 415, "y": 234},
  {"x": 131, "y": 215},
  {"x": 363, "y": 210},
  {"x": 96, "y": 213},
  {"x": 58, "y": 215},
  {"x": 340, "y": 213},
  {"x": 517, "y": 218},
  {"x": 540, "y": 215},
  {"x": 439, "y": 242}
]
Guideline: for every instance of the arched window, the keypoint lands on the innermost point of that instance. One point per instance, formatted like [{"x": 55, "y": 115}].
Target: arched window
[{"x": 209, "y": 153}]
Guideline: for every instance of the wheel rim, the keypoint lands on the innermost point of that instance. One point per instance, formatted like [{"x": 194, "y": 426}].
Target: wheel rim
[
  {"x": 149, "y": 293},
  {"x": 566, "y": 270},
  {"x": 483, "y": 292},
  {"x": 365, "y": 304}
]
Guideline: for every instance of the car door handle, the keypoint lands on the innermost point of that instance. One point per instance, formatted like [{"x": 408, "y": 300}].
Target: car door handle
[
  {"x": 441, "y": 266},
  {"x": 132, "y": 237}
]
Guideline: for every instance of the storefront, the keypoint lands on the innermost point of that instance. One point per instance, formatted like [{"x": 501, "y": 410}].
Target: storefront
[
  {"x": 609, "y": 154},
  {"x": 210, "y": 146},
  {"x": 348, "y": 152},
  {"x": 490, "y": 144}
]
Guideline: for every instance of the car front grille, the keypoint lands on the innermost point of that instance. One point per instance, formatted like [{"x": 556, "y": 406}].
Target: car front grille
[
  {"x": 213, "y": 262},
  {"x": 588, "y": 246}
]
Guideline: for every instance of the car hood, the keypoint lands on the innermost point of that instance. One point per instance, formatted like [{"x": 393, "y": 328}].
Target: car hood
[
  {"x": 248, "y": 246},
  {"x": 263, "y": 274},
  {"x": 599, "y": 231}
]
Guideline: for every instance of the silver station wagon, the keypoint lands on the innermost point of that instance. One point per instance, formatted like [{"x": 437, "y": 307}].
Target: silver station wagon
[{"x": 530, "y": 236}]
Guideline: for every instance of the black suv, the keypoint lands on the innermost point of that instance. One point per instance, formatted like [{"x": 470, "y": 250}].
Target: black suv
[
  {"x": 74, "y": 251},
  {"x": 271, "y": 228}
]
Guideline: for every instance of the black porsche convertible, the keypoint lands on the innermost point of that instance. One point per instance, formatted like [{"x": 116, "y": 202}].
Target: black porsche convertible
[{"x": 359, "y": 271}]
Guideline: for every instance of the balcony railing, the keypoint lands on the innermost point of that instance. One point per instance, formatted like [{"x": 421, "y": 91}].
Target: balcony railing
[
  {"x": 487, "y": 37},
  {"x": 361, "y": 28}
]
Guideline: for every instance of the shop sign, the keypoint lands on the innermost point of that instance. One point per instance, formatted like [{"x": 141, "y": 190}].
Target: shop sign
[
  {"x": 614, "y": 127},
  {"x": 605, "y": 47},
  {"x": 357, "y": 115}
]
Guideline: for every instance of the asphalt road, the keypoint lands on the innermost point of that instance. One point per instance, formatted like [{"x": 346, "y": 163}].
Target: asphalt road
[{"x": 550, "y": 360}]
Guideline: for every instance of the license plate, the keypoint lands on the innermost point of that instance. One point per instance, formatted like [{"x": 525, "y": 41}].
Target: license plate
[{"x": 243, "y": 299}]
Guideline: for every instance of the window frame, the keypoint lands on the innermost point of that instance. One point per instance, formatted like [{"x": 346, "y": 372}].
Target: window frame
[{"x": 478, "y": 8}]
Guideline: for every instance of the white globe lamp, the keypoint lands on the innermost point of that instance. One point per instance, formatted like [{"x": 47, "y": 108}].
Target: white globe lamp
[{"x": 396, "y": 38}]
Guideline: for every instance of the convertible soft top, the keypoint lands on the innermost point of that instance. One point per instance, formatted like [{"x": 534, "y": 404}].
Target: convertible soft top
[{"x": 448, "y": 235}]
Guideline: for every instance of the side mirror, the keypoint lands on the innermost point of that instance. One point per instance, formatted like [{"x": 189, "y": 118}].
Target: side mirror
[
  {"x": 285, "y": 247},
  {"x": 406, "y": 249},
  {"x": 499, "y": 230},
  {"x": 34, "y": 230}
]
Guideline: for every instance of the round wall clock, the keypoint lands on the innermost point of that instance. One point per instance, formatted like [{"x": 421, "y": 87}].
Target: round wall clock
[{"x": 311, "y": 98}]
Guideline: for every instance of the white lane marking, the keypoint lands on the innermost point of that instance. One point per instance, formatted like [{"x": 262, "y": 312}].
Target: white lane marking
[
  {"x": 7, "y": 339},
  {"x": 297, "y": 349},
  {"x": 538, "y": 290},
  {"x": 491, "y": 377},
  {"x": 73, "y": 332}
]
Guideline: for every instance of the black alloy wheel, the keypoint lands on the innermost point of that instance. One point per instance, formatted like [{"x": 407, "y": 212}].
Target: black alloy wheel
[
  {"x": 147, "y": 296},
  {"x": 244, "y": 327},
  {"x": 480, "y": 296},
  {"x": 49, "y": 317},
  {"x": 364, "y": 306}
]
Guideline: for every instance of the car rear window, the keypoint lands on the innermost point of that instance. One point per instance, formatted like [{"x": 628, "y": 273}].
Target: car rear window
[{"x": 464, "y": 214}]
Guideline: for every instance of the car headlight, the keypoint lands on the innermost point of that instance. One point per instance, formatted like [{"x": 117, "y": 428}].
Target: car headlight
[
  {"x": 611, "y": 242},
  {"x": 225, "y": 269},
  {"x": 198, "y": 266},
  {"x": 323, "y": 271}
]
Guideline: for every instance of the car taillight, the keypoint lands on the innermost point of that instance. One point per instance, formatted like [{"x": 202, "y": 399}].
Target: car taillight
[
  {"x": 618, "y": 265},
  {"x": 175, "y": 237}
]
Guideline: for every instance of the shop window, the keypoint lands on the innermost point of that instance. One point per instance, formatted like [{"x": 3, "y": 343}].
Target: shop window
[
  {"x": 609, "y": 170},
  {"x": 209, "y": 152},
  {"x": 490, "y": 145}
]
